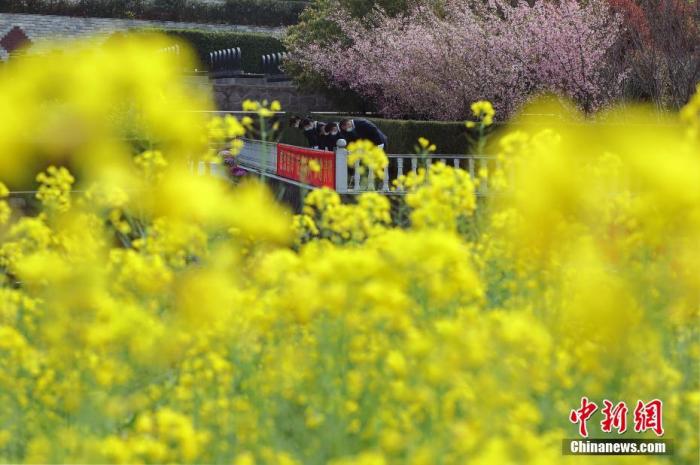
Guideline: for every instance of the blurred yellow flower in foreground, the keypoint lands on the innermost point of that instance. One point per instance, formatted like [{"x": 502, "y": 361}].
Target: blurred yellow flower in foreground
[{"x": 151, "y": 315}]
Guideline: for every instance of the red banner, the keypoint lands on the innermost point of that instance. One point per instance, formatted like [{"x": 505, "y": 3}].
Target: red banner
[{"x": 293, "y": 163}]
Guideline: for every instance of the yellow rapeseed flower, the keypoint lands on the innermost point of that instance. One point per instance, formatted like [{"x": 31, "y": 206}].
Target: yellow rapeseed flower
[
  {"x": 314, "y": 166},
  {"x": 369, "y": 155},
  {"x": 167, "y": 317}
]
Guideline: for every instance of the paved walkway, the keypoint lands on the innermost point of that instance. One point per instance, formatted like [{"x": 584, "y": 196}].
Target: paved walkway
[{"x": 45, "y": 30}]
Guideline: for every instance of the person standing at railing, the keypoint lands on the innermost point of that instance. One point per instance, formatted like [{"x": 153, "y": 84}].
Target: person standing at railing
[
  {"x": 322, "y": 136},
  {"x": 333, "y": 130},
  {"x": 356, "y": 129},
  {"x": 310, "y": 128},
  {"x": 312, "y": 131},
  {"x": 303, "y": 124},
  {"x": 294, "y": 121}
]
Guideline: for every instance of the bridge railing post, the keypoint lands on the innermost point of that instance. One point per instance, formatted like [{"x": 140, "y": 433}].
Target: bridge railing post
[{"x": 341, "y": 166}]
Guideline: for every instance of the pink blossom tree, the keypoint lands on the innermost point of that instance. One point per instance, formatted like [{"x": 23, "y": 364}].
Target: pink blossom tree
[{"x": 434, "y": 66}]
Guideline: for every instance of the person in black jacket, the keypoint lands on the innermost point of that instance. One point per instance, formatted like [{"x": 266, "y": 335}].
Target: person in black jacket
[
  {"x": 298, "y": 123},
  {"x": 294, "y": 121},
  {"x": 330, "y": 133},
  {"x": 312, "y": 131},
  {"x": 306, "y": 126},
  {"x": 333, "y": 131},
  {"x": 356, "y": 129}
]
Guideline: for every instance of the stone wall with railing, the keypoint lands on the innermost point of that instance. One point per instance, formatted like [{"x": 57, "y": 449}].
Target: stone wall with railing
[{"x": 50, "y": 32}]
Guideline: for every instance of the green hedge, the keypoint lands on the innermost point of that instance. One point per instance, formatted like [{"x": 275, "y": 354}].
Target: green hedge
[
  {"x": 250, "y": 12},
  {"x": 449, "y": 137},
  {"x": 253, "y": 46}
]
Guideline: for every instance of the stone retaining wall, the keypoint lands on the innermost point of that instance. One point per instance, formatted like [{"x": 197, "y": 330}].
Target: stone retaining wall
[
  {"x": 46, "y": 32},
  {"x": 229, "y": 94}
]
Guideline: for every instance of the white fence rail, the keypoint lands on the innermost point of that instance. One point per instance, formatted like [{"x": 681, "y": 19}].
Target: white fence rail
[
  {"x": 258, "y": 155},
  {"x": 402, "y": 164},
  {"x": 261, "y": 158}
]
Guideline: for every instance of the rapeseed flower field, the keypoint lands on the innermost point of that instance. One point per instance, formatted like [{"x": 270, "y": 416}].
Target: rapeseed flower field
[{"x": 149, "y": 315}]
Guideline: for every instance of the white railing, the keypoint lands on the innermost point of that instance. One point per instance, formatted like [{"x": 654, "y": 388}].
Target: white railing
[
  {"x": 348, "y": 182},
  {"x": 174, "y": 49},
  {"x": 260, "y": 157},
  {"x": 203, "y": 168}
]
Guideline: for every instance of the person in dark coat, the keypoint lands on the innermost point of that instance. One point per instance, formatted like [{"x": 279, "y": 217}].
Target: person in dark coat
[
  {"x": 299, "y": 123},
  {"x": 304, "y": 125},
  {"x": 333, "y": 131},
  {"x": 312, "y": 131},
  {"x": 356, "y": 129},
  {"x": 294, "y": 121},
  {"x": 324, "y": 142}
]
